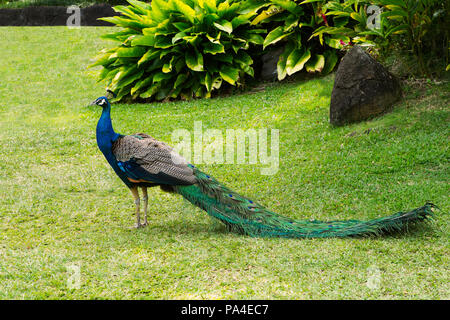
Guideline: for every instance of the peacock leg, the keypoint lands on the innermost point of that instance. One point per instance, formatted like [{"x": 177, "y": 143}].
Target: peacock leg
[
  {"x": 145, "y": 198},
  {"x": 135, "y": 193}
]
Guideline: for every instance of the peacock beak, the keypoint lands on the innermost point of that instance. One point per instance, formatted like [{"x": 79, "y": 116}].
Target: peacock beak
[{"x": 93, "y": 103}]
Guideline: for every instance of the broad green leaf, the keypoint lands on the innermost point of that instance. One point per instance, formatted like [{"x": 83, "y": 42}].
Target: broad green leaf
[
  {"x": 162, "y": 93},
  {"x": 403, "y": 28},
  {"x": 281, "y": 65},
  {"x": 178, "y": 37},
  {"x": 126, "y": 23},
  {"x": 192, "y": 39},
  {"x": 224, "y": 25},
  {"x": 208, "y": 81},
  {"x": 159, "y": 11},
  {"x": 167, "y": 67},
  {"x": 125, "y": 10},
  {"x": 316, "y": 63},
  {"x": 275, "y": 35},
  {"x": 163, "y": 42},
  {"x": 179, "y": 65},
  {"x": 126, "y": 52},
  {"x": 159, "y": 76},
  {"x": 266, "y": 14},
  {"x": 288, "y": 5},
  {"x": 107, "y": 74},
  {"x": 225, "y": 57},
  {"x": 243, "y": 58},
  {"x": 122, "y": 75},
  {"x": 148, "y": 56},
  {"x": 297, "y": 60},
  {"x": 180, "y": 79},
  {"x": 130, "y": 79},
  {"x": 290, "y": 23},
  {"x": 156, "y": 64},
  {"x": 148, "y": 40},
  {"x": 181, "y": 26},
  {"x": 213, "y": 48},
  {"x": 119, "y": 36},
  {"x": 142, "y": 6},
  {"x": 335, "y": 41},
  {"x": 229, "y": 74},
  {"x": 340, "y": 21},
  {"x": 249, "y": 70},
  {"x": 356, "y": 16},
  {"x": 141, "y": 84},
  {"x": 252, "y": 6},
  {"x": 255, "y": 38},
  {"x": 210, "y": 5},
  {"x": 240, "y": 20},
  {"x": 331, "y": 59},
  {"x": 122, "y": 92},
  {"x": 310, "y": 1},
  {"x": 101, "y": 60},
  {"x": 194, "y": 60},
  {"x": 150, "y": 91},
  {"x": 394, "y": 13},
  {"x": 217, "y": 82},
  {"x": 186, "y": 10},
  {"x": 227, "y": 9}
]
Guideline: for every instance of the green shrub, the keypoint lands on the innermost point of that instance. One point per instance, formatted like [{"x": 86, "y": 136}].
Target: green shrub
[
  {"x": 175, "y": 48},
  {"x": 184, "y": 49},
  {"x": 418, "y": 27},
  {"x": 413, "y": 27},
  {"x": 293, "y": 23}
]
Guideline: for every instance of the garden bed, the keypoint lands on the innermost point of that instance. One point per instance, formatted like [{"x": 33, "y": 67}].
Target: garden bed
[{"x": 55, "y": 16}]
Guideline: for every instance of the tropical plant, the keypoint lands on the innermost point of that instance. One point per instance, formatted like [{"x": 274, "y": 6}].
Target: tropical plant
[
  {"x": 292, "y": 24},
  {"x": 422, "y": 27},
  {"x": 417, "y": 27},
  {"x": 176, "y": 48}
]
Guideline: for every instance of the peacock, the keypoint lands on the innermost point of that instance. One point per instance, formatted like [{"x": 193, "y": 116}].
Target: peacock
[{"x": 142, "y": 162}]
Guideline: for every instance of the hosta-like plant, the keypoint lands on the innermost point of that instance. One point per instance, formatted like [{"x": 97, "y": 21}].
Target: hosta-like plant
[
  {"x": 178, "y": 48},
  {"x": 292, "y": 24}
]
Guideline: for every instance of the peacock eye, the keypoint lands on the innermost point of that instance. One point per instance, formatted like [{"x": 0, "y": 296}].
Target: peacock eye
[{"x": 102, "y": 102}]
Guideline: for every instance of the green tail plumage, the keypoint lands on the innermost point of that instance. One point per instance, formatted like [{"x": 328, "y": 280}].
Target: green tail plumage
[{"x": 244, "y": 216}]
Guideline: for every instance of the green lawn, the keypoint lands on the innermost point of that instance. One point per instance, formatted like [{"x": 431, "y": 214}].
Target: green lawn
[{"x": 62, "y": 206}]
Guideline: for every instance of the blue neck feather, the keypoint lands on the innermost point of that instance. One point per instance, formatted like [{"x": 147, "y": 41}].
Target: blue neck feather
[
  {"x": 105, "y": 131},
  {"x": 105, "y": 137}
]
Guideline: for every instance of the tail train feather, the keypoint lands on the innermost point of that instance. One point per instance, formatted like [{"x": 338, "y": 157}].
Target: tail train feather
[{"x": 245, "y": 216}]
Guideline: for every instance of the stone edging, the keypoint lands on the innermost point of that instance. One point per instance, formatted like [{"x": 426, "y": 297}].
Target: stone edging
[{"x": 55, "y": 16}]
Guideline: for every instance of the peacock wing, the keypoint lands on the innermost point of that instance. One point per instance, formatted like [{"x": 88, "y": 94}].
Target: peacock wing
[{"x": 145, "y": 159}]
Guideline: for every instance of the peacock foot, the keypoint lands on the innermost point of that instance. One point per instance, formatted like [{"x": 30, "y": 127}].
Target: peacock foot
[{"x": 138, "y": 226}]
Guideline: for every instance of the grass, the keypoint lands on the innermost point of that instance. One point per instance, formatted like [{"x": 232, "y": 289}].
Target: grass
[{"x": 62, "y": 206}]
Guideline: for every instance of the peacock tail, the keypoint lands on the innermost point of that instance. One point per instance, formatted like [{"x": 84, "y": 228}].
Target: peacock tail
[{"x": 245, "y": 216}]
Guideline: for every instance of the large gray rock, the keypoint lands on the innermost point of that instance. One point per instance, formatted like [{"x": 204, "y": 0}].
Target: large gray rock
[{"x": 363, "y": 89}]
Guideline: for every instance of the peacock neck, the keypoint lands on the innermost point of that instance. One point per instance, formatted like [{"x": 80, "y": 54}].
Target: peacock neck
[{"x": 105, "y": 131}]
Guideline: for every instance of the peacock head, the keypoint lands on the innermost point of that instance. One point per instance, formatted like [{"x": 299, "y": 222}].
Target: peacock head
[{"x": 103, "y": 101}]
